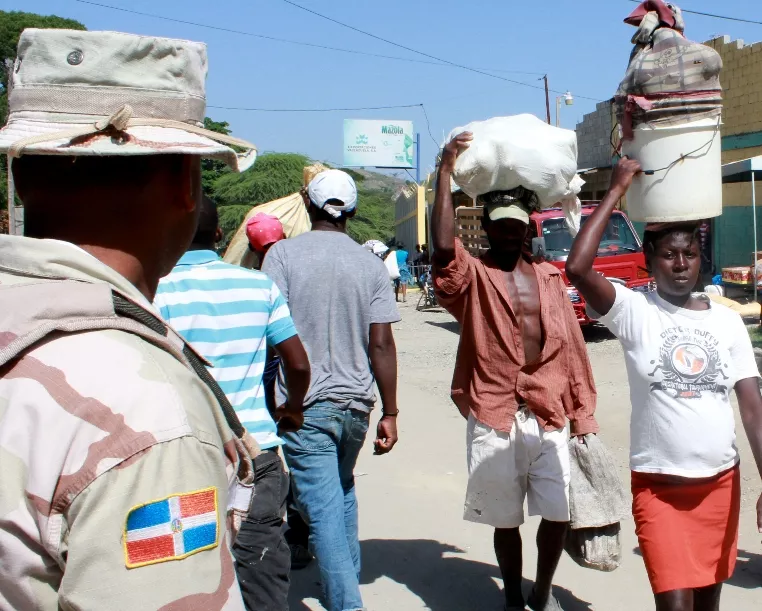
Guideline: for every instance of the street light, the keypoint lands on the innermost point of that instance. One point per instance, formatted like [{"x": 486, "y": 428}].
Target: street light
[{"x": 568, "y": 99}]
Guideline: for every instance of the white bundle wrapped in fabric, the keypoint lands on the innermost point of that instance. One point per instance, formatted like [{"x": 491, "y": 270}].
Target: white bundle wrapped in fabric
[{"x": 522, "y": 151}]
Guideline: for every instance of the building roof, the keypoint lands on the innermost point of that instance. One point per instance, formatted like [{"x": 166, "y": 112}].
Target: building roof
[{"x": 740, "y": 171}]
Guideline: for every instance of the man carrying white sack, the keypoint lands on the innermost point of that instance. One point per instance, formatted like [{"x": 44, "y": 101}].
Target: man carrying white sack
[{"x": 522, "y": 369}]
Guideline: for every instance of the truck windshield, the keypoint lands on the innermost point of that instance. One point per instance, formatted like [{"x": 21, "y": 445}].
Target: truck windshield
[{"x": 617, "y": 239}]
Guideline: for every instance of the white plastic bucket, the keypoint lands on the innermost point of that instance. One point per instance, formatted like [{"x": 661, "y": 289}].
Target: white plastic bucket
[{"x": 691, "y": 188}]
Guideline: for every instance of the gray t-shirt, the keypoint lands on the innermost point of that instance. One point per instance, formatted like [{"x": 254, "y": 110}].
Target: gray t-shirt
[{"x": 336, "y": 290}]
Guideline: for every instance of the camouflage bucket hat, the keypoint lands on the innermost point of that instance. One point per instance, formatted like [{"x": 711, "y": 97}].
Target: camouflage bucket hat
[{"x": 106, "y": 93}]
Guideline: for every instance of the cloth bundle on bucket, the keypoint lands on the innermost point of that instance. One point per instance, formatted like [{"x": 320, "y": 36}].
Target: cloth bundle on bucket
[
  {"x": 597, "y": 504},
  {"x": 290, "y": 211},
  {"x": 522, "y": 151},
  {"x": 670, "y": 80}
]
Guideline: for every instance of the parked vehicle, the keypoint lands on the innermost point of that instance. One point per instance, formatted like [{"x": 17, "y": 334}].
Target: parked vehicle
[{"x": 620, "y": 257}]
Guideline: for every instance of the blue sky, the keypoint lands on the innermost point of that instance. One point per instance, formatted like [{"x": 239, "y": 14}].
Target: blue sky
[{"x": 582, "y": 46}]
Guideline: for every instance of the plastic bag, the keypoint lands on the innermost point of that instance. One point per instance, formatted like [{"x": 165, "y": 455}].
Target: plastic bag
[
  {"x": 595, "y": 548},
  {"x": 391, "y": 265},
  {"x": 597, "y": 503},
  {"x": 522, "y": 151}
]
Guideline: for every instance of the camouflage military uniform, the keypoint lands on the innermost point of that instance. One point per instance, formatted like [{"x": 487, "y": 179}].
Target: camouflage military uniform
[{"x": 100, "y": 431}]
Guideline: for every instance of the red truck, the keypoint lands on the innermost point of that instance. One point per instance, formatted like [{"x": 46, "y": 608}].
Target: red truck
[{"x": 620, "y": 256}]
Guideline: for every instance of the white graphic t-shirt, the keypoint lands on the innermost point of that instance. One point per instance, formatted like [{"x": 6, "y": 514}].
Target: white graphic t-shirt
[{"x": 682, "y": 365}]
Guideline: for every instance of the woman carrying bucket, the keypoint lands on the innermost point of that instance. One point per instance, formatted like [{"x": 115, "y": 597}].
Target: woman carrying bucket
[{"x": 684, "y": 354}]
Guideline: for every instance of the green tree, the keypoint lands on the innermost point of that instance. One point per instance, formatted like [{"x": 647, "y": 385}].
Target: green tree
[
  {"x": 375, "y": 216},
  {"x": 12, "y": 23},
  {"x": 274, "y": 175},
  {"x": 277, "y": 175},
  {"x": 212, "y": 169}
]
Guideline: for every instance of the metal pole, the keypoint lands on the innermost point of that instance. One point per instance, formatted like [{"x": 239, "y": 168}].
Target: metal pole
[
  {"x": 418, "y": 159},
  {"x": 547, "y": 97},
  {"x": 558, "y": 111},
  {"x": 754, "y": 212},
  {"x": 11, "y": 201}
]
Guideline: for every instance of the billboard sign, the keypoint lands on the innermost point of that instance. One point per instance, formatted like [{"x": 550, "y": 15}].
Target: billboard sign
[{"x": 384, "y": 144}]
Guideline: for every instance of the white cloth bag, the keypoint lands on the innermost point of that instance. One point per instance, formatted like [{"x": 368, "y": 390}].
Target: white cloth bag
[
  {"x": 391, "y": 265},
  {"x": 522, "y": 151}
]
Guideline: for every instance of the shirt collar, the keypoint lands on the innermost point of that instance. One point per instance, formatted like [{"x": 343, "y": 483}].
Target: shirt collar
[
  {"x": 198, "y": 257},
  {"x": 58, "y": 260},
  {"x": 543, "y": 270}
]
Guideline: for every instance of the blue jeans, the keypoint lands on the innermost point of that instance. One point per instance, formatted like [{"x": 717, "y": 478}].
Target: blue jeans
[{"x": 322, "y": 457}]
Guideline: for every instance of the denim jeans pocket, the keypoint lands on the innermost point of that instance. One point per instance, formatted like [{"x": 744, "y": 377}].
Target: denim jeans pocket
[{"x": 322, "y": 428}]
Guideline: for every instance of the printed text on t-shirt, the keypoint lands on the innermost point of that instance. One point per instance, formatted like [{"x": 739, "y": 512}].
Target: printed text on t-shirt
[{"x": 690, "y": 363}]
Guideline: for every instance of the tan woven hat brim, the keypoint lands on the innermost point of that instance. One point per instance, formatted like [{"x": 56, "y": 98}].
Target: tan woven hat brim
[{"x": 120, "y": 135}]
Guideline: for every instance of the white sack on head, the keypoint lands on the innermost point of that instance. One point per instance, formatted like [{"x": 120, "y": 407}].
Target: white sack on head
[{"x": 522, "y": 151}]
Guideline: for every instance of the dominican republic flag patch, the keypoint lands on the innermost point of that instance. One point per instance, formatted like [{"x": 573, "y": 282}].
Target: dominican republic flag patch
[{"x": 171, "y": 528}]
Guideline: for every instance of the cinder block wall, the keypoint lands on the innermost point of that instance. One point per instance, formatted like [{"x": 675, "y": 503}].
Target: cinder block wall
[
  {"x": 741, "y": 80},
  {"x": 594, "y": 135}
]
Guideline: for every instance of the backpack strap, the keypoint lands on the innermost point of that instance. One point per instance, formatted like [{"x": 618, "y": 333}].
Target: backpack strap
[{"x": 127, "y": 309}]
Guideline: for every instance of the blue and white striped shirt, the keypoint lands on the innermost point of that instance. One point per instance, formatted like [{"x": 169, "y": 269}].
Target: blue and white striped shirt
[{"x": 229, "y": 315}]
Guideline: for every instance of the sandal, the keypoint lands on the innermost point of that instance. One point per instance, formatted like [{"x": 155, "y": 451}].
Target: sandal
[{"x": 551, "y": 605}]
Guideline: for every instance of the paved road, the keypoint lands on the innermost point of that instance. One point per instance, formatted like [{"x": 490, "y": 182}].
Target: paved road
[{"x": 418, "y": 553}]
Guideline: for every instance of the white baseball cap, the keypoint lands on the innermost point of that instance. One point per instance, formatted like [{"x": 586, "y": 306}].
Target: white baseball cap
[{"x": 333, "y": 185}]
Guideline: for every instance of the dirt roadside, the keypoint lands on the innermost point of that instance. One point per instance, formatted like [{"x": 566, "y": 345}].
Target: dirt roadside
[{"x": 418, "y": 553}]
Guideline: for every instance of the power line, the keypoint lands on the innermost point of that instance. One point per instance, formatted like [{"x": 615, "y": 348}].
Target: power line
[
  {"x": 282, "y": 40},
  {"x": 428, "y": 126},
  {"x": 314, "y": 109},
  {"x": 434, "y": 57},
  {"x": 714, "y": 16}
]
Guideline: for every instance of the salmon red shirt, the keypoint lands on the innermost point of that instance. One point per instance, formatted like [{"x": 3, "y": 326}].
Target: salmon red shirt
[{"x": 491, "y": 374}]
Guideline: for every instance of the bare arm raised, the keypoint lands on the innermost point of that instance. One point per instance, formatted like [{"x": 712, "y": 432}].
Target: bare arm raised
[
  {"x": 443, "y": 216},
  {"x": 596, "y": 290}
]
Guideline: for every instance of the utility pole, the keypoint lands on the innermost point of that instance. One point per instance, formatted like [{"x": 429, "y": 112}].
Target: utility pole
[{"x": 547, "y": 98}]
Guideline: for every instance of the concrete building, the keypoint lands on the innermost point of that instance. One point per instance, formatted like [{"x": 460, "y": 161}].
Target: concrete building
[
  {"x": 410, "y": 217},
  {"x": 741, "y": 80}
]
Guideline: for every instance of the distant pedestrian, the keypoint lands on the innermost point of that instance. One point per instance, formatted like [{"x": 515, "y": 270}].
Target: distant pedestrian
[
  {"x": 231, "y": 315},
  {"x": 425, "y": 258},
  {"x": 405, "y": 277},
  {"x": 522, "y": 369},
  {"x": 263, "y": 231},
  {"x": 684, "y": 355},
  {"x": 342, "y": 303}
]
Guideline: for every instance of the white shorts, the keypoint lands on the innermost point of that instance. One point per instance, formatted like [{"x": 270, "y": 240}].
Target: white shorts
[{"x": 504, "y": 468}]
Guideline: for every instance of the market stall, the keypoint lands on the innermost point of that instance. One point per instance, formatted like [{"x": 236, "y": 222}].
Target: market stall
[{"x": 744, "y": 171}]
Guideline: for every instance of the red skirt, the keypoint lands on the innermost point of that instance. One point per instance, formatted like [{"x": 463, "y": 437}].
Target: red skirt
[{"x": 688, "y": 532}]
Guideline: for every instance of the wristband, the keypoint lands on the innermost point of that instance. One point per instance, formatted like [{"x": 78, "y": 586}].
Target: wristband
[{"x": 387, "y": 415}]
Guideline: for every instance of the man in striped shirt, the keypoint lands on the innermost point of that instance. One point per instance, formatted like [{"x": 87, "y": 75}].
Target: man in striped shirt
[{"x": 230, "y": 315}]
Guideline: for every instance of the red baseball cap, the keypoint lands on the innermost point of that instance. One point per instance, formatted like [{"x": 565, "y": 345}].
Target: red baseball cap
[{"x": 263, "y": 230}]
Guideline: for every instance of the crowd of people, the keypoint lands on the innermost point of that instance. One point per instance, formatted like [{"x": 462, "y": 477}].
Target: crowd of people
[{"x": 151, "y": 395}]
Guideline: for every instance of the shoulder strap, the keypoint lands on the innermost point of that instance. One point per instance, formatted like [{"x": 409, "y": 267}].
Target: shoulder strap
[{"x": 128, "y": 309}]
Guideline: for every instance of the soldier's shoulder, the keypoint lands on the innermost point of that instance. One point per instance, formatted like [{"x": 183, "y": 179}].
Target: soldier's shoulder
[{"x": 111, "y": 374}]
